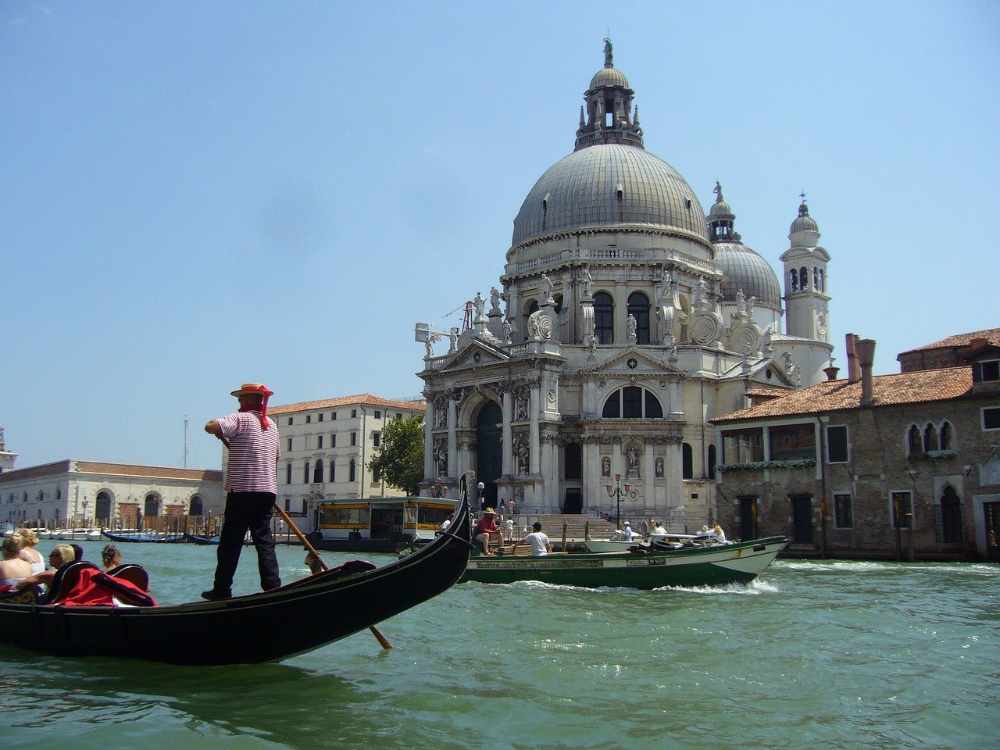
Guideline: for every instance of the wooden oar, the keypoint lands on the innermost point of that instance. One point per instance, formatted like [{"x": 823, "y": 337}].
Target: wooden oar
[{"x": 383, "y": 642}]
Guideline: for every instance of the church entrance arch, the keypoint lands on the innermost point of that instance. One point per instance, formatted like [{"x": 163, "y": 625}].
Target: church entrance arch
[{"x": 489, "y": 426}]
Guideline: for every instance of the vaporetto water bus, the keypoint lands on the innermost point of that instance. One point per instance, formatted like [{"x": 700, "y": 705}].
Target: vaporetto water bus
[{"x": 379, "y": 524}]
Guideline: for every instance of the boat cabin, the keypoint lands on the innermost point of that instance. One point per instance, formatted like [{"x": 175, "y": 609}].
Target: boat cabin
[{"x": 390, "y": 519}]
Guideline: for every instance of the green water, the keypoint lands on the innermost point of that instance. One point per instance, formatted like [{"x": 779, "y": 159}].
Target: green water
[{"x": 813, "y": 654}]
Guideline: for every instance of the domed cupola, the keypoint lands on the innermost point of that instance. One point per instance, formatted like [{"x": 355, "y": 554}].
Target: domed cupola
[
  {"x": 804, "y": 231},
  {"x": 608, "y": 116},
  {"x": 610, "y": 182},
  {"x": 743, "y": 269}
]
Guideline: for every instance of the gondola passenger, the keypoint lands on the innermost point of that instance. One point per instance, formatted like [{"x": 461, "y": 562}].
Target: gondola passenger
[
  {"x": 111, "y": 557},
  {"x": 486, "y": 527},
  {"x": 28, "y": 552},
  {"x": 13, "y": 569},
  {"x": 61, "y": 554}
]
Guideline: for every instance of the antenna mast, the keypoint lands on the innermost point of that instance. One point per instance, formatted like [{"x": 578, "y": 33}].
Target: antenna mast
[{"x": 185, "y": 441}]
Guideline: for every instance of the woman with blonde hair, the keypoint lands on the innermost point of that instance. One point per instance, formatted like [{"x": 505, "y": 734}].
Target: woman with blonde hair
[
  {"x": 13, "y": 569},
  {"x": 28, "y": 552}
]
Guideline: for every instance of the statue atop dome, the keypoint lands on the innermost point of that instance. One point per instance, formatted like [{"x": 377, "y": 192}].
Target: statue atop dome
[{"x": 608, "y": 53}]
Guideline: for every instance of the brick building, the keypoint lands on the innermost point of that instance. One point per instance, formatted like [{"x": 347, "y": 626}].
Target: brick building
[
  {"x": 960, "y": 349},
  {"x": 895, "y": 466}
]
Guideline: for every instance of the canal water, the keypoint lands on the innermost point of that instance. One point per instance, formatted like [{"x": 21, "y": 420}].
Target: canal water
[{"x": 813, "y": 654}]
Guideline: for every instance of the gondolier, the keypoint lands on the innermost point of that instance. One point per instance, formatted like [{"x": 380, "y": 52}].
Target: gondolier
[{"x": 251, "y": 488}]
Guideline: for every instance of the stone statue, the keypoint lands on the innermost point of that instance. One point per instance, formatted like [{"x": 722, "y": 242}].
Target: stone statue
[
  {"x": 479, "y": 303},
  {"x": 608, "y": 53},
  {"x": 508, "y": 332},
  {"x": 605, "y": 466},
  {"x": 632, "y": 461},
  {"x": 659, "y": 467},
  {"x": 588, "y": 283},
  {"x": 494, "y": 301},
  {"x": 633, "y": 329},
  {"x": 549, "y": 289},
  {"x": 522, "y": 453}
]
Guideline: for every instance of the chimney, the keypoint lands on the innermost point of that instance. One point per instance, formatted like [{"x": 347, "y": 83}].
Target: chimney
[
  {"x": 865, "y": 349},
  {"x": 853, "y": 371},
  {"x": 831, "y": 372}
]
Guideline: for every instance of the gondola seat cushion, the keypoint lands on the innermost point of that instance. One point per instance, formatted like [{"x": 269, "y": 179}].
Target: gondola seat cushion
[
  {"x": 133, "y": 573},
  {"x": 88, "y": 586}
]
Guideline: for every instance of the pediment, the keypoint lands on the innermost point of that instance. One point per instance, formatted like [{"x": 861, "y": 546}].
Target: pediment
[
  {"x": 758, "y": 373},
  {"x": 632, "y": 361},
  {"x": 476, "y": 354}
]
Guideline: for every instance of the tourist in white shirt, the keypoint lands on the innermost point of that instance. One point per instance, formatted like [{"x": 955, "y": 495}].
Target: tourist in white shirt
[
  {"x": 538, "y": 542},
  {"x": 628, "y": 533}
]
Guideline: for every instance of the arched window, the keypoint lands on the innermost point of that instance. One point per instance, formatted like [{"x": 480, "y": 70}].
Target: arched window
[
  {"x": 632, "y": 402},
  {"x": 795, "y": 280},
  {"x": 352, "y": 471},
  {"x": 333, "y": 471},
  {"x": 687, "y": 461},
  {"x": 711, "y": 462},
  {"x": 946, "y": 436},
  {"x": 804, "y": 278},
  {"x": 822, "y": 280},
  {"x": 951, "y": 516},
  {"x": 196, "y": 508},
  {"x": 914, "y": 443},
  {"x": 930, "y": 438},
  {"x": 604, "y": 318},
  {"x": 151, "y": 507},
  {"x": 638, "y": 306},
  {"x": 305, "y": 473},
  {"x": 318, "y": 471}
]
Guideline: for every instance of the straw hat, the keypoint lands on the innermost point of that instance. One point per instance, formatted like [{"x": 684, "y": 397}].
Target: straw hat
[
  {"x": 489, "y": 511},
  {"x": 248, "y": 389}
]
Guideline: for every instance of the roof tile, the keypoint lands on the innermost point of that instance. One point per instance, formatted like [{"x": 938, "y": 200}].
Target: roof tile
[{"x": 361, "y": 399}]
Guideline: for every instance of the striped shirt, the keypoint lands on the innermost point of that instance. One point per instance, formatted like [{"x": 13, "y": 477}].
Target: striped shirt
[{"x": 253, "y": 452}]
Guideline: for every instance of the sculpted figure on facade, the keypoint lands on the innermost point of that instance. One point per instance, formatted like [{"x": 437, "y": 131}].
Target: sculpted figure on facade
[
  {"x": 479, "y": 303},
  {"x": 633, "y": 328},
  {"x": 632, "y": 453},
  {"x": 440, "y": 413},
  {"x": 494, "y": 301},
  {"x": 522, "y": 453},
  {"x": 520, "y": 404},
  {"x": 440, "y": 456},
  {"x": 605, "y": 466},
  {"x": 588, "y": 284},
  {"x": 549, "y": 289},
  {"x": 540, "y": 326},
  {"x": 659, "y": 467},
  {"x": 508, "y": 332}
]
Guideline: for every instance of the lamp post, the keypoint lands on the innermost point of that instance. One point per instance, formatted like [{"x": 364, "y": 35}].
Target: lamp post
[{"x": 618, "y": 499}]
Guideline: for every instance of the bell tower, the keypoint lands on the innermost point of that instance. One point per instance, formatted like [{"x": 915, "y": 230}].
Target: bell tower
[{"x": 806, "y": 281}]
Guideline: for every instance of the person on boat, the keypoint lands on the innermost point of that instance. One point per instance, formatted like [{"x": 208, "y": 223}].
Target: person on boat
[
  {"x": 28, "y": 552},
  {"x": 251, "y": 488},
  {"x": 657, "y": 531},
  {"x": 13, "y": 569},
  {"x": 486, "y": 527},
  {"x": 111, "y": 557},
  {"x": 538, "y": 541},
  {"x": 719, "y": 533},
  {"x": 61, "y": 554},
  {"x": 628, "y": 533}
]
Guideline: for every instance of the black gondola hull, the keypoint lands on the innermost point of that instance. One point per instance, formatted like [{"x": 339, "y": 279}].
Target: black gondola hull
[{"x": 261, "y": 627}]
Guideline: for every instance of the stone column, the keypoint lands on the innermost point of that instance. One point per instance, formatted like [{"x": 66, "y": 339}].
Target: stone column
[
  {"x": 621, "y": 314},
  {"x": 452, "y": 441},
  {"x": 429, "y": 440},
  {"x": 649, "y": 470},
  {"x": 568, "y": 334},
  {"x": 672, "y": 472},
  {"x": 550, "y": 463},
  {"x": 591, "y": 475},
  {"x": 533, "y": 442},
  {"x": 506, "y": 468}
]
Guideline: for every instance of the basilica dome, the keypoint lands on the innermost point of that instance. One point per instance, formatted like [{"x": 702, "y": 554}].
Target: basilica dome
[
  {"x": 605, "y": 185},
  {"x": 744, "y": 269}
]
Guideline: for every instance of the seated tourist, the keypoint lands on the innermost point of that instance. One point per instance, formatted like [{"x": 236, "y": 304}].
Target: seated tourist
[
  {"x": 28, "y": 552},
  {"x": 13, "y": 570},
  {"x": 718, "y": 532},
  {"x": 486, "y": 527},
  {"x": 111, "y": 557},
  {"x": 538, "y": 541},
  {"x": 658, "y": 530},
  {"x": 61, "y": 554}
]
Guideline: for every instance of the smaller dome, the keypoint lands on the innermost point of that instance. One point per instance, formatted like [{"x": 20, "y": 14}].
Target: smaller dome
[
  {"x": 608, "y": 77},
  {"x": 804, "y": 222},
  {"x": 744, "y": 269},
  {"x": 721, "y": 210}
]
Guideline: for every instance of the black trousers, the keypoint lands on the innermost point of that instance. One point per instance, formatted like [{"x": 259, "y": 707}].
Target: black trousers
[{"x": 247, "y": 511}]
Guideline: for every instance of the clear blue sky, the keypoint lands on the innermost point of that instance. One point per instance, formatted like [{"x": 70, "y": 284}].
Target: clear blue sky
[{"x": 195, "y": 195}]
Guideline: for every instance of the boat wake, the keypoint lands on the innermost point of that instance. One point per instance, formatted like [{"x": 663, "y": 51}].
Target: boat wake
[
  {"x": 866, "y": 566},
  {"x": 756, "y": 587}
]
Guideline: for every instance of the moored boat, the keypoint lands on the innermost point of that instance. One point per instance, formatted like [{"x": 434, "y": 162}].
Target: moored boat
[
  {"x": 144, "y": 536},
  {"x": 266, "y": 626},
  {"x": 641, "y": 567}
]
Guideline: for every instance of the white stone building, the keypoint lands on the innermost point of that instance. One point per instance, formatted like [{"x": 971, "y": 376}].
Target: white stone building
[
  {"x": 91, "y": 494},
  {"x": 630, "y": 318},
  {"x": 326, "y": 446},
  {"x": 7, "y": 458}
]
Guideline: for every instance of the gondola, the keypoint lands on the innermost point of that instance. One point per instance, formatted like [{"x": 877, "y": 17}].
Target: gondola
[
  {"x": 200, "y": 539},
  {"x": 147, "y": 537},
  {"x": 268, "y": 626}
]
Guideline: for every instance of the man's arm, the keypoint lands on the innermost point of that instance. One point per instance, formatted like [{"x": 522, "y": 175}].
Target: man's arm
[{"x": 212, "y": 427}]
